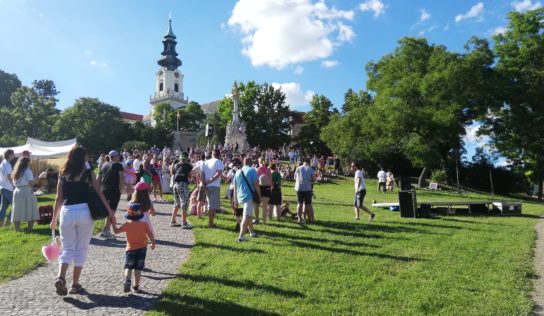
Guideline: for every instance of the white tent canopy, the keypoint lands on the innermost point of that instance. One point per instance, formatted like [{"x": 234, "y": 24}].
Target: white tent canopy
[{"x": 42, "y": 149}]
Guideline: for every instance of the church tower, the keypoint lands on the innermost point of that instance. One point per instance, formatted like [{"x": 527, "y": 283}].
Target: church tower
[{"x": 169, "y": 79}]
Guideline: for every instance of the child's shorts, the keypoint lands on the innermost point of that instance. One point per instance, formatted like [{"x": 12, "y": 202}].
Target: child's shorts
[
  {"x": 135, "y": 259},
  {"x": 239, "y": 211}
]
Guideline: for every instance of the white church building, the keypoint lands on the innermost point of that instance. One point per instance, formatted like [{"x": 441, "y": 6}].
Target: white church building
[{"x": 169, "y": 79}]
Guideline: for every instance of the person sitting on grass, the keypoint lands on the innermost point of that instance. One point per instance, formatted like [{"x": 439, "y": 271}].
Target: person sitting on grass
[
  {"x": 285, "y": 210},
  {"x": 137, "y": 234}
]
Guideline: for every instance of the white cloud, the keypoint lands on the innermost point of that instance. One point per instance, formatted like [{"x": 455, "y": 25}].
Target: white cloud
[
  {"x": 329, "y": 63},
  {"x": 279, "y": 33},
  {"x": 526, "y": 5},
  {"x": 375, "y": 6},
  {"x": 447, "y": 27},
  {"x": 474, "y": 12},
  {"x": 294, "y": 96},
  {"x": 345, "y": 33},
  {"x": 499, "y": 30},
  {"x": 427, "y": 30},
  {"x": 93, "y": 63},
  {"x": 425, "y": 15},
  {"x": 472, "y": 139},
  {"x": 299, "y": 70}
]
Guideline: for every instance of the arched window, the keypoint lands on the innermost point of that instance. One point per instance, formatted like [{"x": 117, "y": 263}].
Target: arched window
[
  {"x": 176, "y": 87},
  {"x": 161, "y": 87}
]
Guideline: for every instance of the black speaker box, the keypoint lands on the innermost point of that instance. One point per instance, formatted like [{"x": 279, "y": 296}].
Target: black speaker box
[{"x": 408, "y": 204}]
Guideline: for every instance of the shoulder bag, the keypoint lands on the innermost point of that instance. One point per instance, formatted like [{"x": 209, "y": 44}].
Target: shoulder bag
[
  {"x": 96, "y": 206},
  {"x": 256, "y": 197}
]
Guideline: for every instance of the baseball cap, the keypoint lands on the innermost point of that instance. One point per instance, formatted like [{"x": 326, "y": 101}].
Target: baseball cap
[
  {"x": 25, "y": 153},
  {"x": 113, "y": 153},
  {"x": 184, "y": 155}
]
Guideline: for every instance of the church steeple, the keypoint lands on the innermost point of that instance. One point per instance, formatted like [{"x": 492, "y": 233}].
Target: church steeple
[{"x": 169, "y": 60}]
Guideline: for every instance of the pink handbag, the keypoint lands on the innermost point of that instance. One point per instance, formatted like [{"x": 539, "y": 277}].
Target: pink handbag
[{"x": 52, "y": 251}]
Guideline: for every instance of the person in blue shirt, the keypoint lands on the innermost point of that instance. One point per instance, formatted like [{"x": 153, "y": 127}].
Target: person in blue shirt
[{"x": 246, "y": 182}]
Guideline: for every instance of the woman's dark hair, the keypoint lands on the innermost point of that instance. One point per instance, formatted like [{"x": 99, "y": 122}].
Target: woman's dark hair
[
  {"x": 20, "y": 167},
  {"x": 273, "y": 166},
  {"x": 75, "y": 162}
]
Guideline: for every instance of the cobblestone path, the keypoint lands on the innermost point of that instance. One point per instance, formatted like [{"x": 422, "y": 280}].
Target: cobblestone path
[{"x": 102, "y": 277}]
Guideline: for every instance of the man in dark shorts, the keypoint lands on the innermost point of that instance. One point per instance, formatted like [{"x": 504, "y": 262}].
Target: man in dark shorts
[
  {"x": 112, "y": 182},
  {"x": 182, "y": 174},
  {"x": 360, "y": 192},
  {"x": 304, "y": 178}
]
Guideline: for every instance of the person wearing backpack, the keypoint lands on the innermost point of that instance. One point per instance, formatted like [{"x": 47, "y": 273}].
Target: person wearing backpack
[{"x": 182, "y": 174}]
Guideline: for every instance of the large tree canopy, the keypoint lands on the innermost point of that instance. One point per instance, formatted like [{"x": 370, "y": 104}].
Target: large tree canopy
[
  {"x": 423, "y": 100},
  {"x": 264, "y": 112},
  {"x": 314, "y": 121},
  {"x": 97, "y": 125},
  {"x": 8, "y": 84},
  {"x": 515, "y": 123}
]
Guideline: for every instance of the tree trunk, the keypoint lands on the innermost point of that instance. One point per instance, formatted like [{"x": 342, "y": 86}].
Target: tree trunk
[
  {"x": 422, "y": 182},
  {"x": 540, "y": 183}
]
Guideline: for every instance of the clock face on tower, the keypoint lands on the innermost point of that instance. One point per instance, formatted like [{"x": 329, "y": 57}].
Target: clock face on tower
[{"x": 176, "y": 74}]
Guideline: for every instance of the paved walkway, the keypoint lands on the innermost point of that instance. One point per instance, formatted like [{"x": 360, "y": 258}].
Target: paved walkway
[{"x": 102, "y": 277}]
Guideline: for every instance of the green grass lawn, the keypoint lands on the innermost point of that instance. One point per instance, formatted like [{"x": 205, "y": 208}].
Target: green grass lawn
[
  {"x": 451, "y": 265},
  {"x": 22, "y": 252}
]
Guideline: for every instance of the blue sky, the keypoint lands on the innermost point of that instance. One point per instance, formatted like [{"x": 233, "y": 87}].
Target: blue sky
[{"x": 108, "y": 49}]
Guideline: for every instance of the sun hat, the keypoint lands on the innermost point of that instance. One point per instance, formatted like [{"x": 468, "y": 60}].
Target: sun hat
[
  {"x": 133, "y": 212},
  {"x": 113, "y": 153},
  {"x": 141, "y": 186}
]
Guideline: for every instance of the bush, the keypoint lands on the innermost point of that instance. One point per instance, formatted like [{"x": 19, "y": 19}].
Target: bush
[{"x": 439, "y": 175}]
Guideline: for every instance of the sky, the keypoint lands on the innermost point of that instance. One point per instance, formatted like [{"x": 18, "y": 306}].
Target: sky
[{"x": 109, "y": 49}]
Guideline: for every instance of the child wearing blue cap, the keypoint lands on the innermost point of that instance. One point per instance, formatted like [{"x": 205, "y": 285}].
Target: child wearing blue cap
[{"x": 138, "y": 233}]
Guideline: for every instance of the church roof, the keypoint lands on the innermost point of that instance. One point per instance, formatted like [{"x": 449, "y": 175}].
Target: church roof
[
  {"x": 170, "y": 33},
  {"x": 131, "y": 116}
]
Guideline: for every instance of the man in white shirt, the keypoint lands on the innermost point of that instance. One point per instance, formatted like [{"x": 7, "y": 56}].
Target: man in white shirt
[
  {"x": 382, "y": 179},
  {"x": 6, "y": 185},
  {"x": 360, "y": 192},
  {"x": 211, "y": 175}
]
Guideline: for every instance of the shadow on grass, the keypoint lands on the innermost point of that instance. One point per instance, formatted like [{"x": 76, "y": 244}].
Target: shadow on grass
[
  {"x": 191, "y": 305},
  {"x": 312, "y": 239},
  {"x": 246, "y": 284},
  {"x": 447, "y": 219},
  {"x": 228, "y": 248},
  {"x": 354, "y": 227},
  {"x": 353, "y": 252}
]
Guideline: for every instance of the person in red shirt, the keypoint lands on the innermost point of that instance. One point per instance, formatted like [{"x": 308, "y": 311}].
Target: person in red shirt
[{"x": 138, "y": 233}]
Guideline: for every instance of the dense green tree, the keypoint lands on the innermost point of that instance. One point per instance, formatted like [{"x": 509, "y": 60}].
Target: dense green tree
[
  {"x": 30, "y": 115},
  {"x": 314, "y": 121},
  {"x": 346, "y": 134},
  {"x": 191, "y": 117},
  {"x": 46, "y": 89},
  {"x": 8, "y": 84},
  {"x": 96, "y": 125},
  {"x": 422, "y": 99},
  {"x": 514, "y": 124},
  {"x": 162, "y": 114}
]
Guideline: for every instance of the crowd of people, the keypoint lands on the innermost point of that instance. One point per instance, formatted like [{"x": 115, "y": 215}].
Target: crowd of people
[{"x": 193, "y": 176}]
